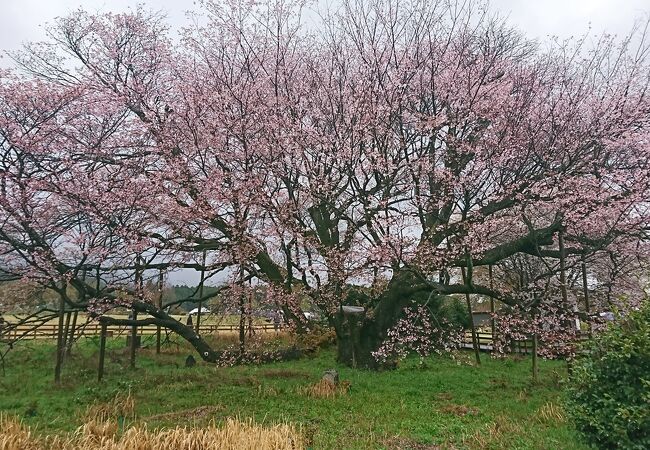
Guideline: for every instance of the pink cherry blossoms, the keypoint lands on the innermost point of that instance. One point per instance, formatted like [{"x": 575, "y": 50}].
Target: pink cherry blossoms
[{"x": 331, "y": 164}]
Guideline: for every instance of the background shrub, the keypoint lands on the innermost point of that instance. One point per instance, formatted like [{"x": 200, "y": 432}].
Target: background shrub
[{"x": 608, "y": 394}]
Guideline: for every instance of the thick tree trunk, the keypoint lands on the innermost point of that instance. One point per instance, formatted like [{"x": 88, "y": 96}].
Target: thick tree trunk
[{"x": 358, "y": 338}]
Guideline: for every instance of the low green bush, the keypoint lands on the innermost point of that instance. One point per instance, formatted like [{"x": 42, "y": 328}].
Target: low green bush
[{"x": 608, "y": 394}]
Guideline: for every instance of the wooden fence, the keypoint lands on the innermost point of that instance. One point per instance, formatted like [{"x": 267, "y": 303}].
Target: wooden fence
[
  {"x": 50, "y": 331},
  {"x": 486, "y": 343}
]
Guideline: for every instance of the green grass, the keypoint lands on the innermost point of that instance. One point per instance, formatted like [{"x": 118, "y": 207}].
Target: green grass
[{"x": 446, "y": 404}]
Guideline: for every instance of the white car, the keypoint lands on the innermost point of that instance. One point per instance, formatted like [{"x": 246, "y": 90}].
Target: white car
[{"x": 195, "y": 311}]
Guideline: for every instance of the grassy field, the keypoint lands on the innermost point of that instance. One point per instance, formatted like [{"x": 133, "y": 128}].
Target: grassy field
[{"x": 445, "y": 404}]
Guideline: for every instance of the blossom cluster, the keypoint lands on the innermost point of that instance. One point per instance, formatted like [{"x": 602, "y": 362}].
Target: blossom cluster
[{"x": 418, "y": 331}]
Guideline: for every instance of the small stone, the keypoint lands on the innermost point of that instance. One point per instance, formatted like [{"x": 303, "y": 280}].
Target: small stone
[
  {"x": 331, "y": 376},
  {"x": 190, "y": 361}
]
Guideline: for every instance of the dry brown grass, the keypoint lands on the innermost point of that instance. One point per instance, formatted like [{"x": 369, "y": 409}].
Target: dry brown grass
[
  {"x": 14, "y": 436},
  {"x": 97, "y": 435},
  {"x": 550, "y": 413},
  {"x": 493, "y": 434},
  {"x": 459, "y": 410},
  {"x": 192, "y": 414},
  {"x": 325, "y": 389},
  {"x": 122, "y": 406}
]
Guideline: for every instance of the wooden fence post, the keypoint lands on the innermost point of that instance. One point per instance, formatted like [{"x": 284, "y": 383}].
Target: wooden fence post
[
  {"x": 242, "y": 316},
  {"x": 134, "y": 315},
  {"x": 198, "y": 315},
  {"x": 535, "y": 367},
  {"x": 475, "y": 344},
  {"x": 492, "y": 309},
  {"x": 102, "y": 352},
  {"x": 160, "y": 298},
  {"x": 59, "y": 340},
  {"x": 585, "y": 290}
]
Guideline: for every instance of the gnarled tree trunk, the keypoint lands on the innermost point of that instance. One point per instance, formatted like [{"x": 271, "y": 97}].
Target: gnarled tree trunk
[{"x": 359, "y": 336}]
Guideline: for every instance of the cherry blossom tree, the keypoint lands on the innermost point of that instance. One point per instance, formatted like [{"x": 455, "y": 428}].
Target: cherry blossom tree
[{"x": 360, "y": 159}]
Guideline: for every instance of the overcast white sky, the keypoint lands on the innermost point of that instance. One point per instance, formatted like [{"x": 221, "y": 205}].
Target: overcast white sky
[{"x": 22, "y": 21}]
